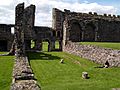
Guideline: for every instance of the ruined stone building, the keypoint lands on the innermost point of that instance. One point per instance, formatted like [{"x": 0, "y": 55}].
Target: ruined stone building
[
  {"x": 66, "y": 26},
  {"x": 76, "y": 27},
  {"x": 6, "y": 37}
]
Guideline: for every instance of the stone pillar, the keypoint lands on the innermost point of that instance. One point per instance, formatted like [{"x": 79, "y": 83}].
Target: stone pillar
[
  {"x": 27, "y": 44},
  {"x": 24, "y": 24},
  {"x": 60, "y": 45},
  {"x": 83, "y": 32},
  {"x": 29, "y": 14},
  {"x": 38, "y": 45},
  {"x": 49, "y": 46},
  {"x": 64, "y": 36},
  {"x": 19, "y": 30},
  {"x": 96, "y": 31},
  {"x": 52, "y": 45}
]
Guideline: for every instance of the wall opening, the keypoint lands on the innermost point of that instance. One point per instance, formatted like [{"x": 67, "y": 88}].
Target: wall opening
[
  {"x": 45, "y": 45},
  {"x": 54, "y": 33},
  {"x": 57, "y": 45},
  {"x": 58, "y": 33},
  {"x": 89, "y": 32},
  {"x": 32, "y": 44},
  {"x": 12, "y": 30},
  {"x": 75, "y": 32},
  {"x": 3, "y": 45}
]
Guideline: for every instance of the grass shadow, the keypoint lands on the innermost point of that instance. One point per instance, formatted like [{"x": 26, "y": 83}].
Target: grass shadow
[{"x": 41, "y": 56}]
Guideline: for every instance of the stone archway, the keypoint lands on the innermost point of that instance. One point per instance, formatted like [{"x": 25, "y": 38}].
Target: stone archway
[
  {"x": 75, "y": 32},
  {"x": 89, "y": 32},
  {"x": 46, "y": 45}
]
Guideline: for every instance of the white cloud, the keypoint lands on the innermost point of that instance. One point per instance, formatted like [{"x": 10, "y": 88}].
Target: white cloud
[
  {"x": 44, "y": 9},
  {"x": 5, "y": 2}
]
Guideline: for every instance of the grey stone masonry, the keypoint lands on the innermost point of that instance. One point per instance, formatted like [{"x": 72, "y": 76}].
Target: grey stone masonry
[
  {"x": 19, "y": 30},
  {"x": 23, "y": 77},
  {"x": 94, "y": 53}
]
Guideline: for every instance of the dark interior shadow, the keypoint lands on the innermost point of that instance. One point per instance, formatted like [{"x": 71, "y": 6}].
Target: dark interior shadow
[{"x": 41, "y": 56}]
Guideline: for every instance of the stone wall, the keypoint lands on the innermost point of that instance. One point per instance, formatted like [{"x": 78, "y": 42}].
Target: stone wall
[
  {"x": 94, "y": 53},
  {"x": 23, "y": 76},
  {"x": 6, "y": 37},
  {"x": 57, "y": 23},
  {"x": 29, "y": 19},
  {"x": 86, "y": 26}
]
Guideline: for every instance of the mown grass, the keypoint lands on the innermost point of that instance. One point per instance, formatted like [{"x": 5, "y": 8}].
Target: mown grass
[
  {"x": 6, "y": 67},
  {"x": 52, "y": 75},
  {"x": 103, "y": 44}
]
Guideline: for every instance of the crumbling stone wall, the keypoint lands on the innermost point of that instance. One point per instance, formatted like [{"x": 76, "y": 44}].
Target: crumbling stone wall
[
  {"x": 29, "y": 18},
  {"x": 23, "y": 77},
  {"x": 58, "y": 18},
  {"x": 90, "y": 26},
  {"x": 43, "y": 34},
  {"x": 94, "y": 53},
  {"x": 57, "y": 22},
  {"x": 6, "y": 37},
  {"x": 93, "y": 27},
  {"x": 19, "y": 30}
]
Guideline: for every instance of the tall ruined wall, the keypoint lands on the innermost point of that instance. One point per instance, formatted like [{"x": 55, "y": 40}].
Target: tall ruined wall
[
  {"x": 91, "y": 27},
  {"x": 19, "y": 30},
  {"x": 43, "y": 32},
  {"x": 57, "y": 22},
  {"x": 6, "y": 37},
  {"x": 29, "y": 18},
  {"x": 94, "y": 53},
  {"x": 108, "y": 30},
  {"x": 5, "y": 31},
  {"x": 23, "y": 77}
]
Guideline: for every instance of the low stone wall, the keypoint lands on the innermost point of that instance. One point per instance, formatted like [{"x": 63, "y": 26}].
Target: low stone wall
[
  {"x": 23, "y": 77},
  {"x": 94, "y": 53}
]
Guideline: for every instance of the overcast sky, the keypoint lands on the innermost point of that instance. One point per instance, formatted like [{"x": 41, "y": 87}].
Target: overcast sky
[{"x": 44, "y": 8}]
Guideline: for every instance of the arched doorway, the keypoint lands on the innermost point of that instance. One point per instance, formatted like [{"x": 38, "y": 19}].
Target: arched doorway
[
  {"x": 45, "y": 45},
  {"x": 75, "y": 32},
  {"x": 89, "y": 32}
]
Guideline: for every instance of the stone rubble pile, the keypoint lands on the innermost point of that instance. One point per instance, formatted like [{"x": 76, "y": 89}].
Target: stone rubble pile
[{"x": 94, "y": 53}]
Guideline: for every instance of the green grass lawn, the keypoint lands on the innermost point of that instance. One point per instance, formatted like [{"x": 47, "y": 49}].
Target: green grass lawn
[
  {"x": 6, "y": 67},
  {"x": 103, "y": 44},
  {"x": 52, "y": 75}
]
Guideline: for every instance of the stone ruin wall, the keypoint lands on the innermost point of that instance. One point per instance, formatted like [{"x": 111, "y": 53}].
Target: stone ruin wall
[
  {"x": 23, "y": 77},
  {"x": 43, "y": 34},
  {"x": 94, "y": 53},
  {"x": 6, "y": 37},
  {"x": 93, "y": 27},
  {"x": 86, "y": 26},
  {"x": 39, "y": 34},
  {"x": 57, "y": 22},
  {"x": 29, "y": 20}
]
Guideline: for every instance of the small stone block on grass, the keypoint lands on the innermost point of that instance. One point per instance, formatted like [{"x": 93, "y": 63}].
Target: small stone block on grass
[
  {"x": 85, "y": 75},
  {"x": 61, "y": 61}
]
